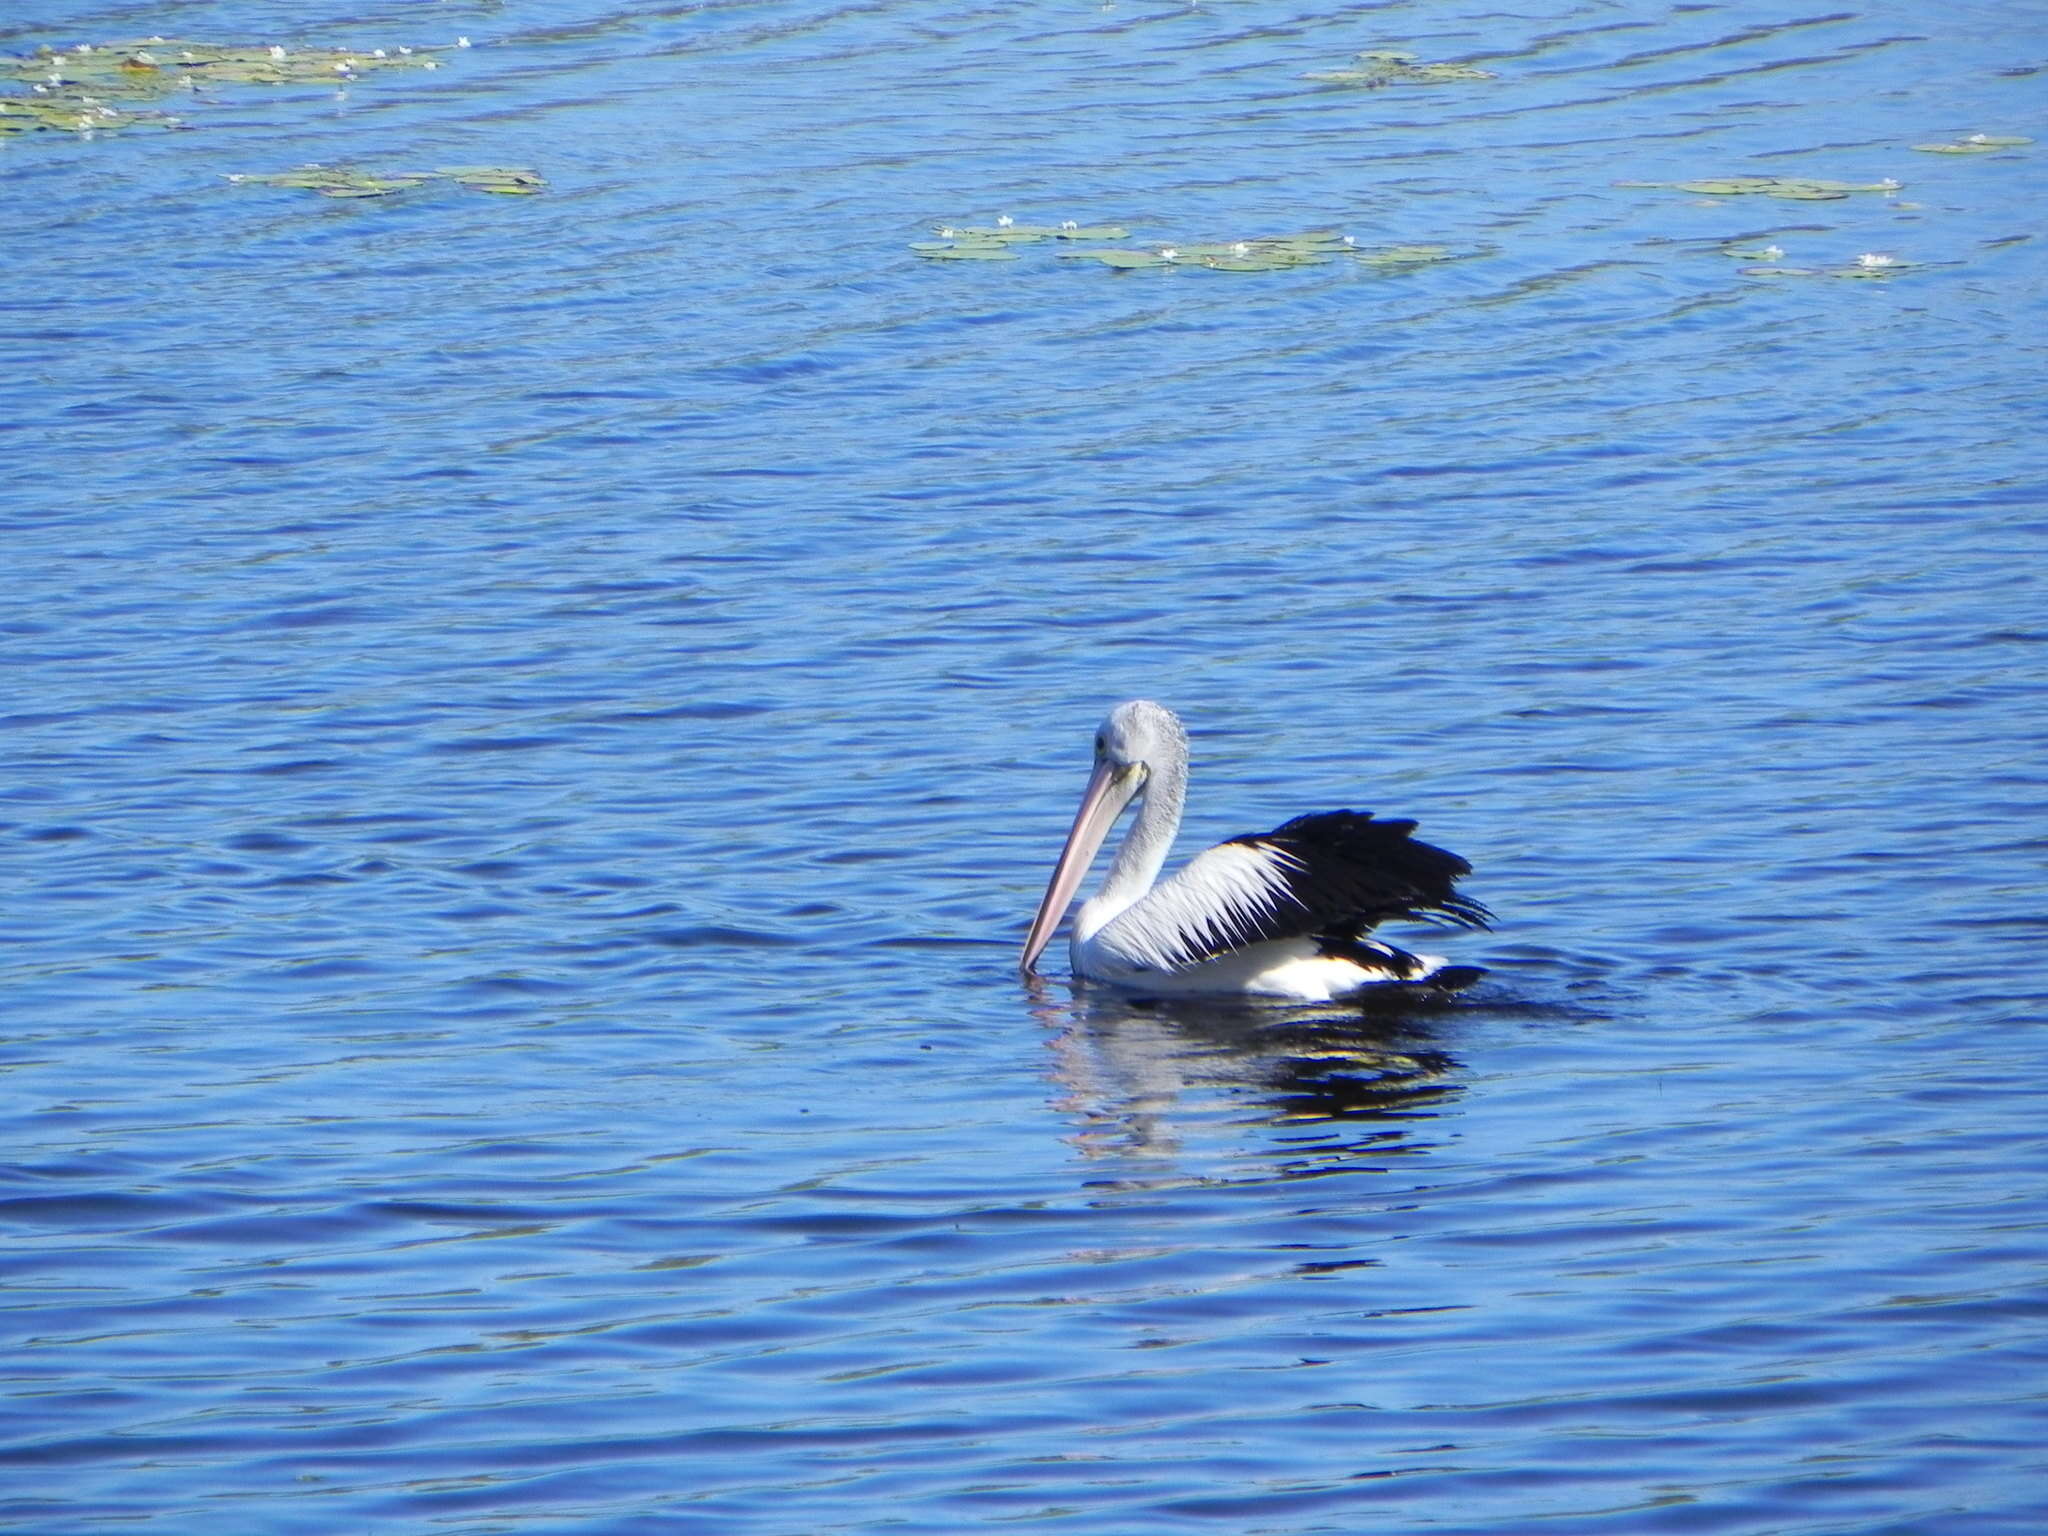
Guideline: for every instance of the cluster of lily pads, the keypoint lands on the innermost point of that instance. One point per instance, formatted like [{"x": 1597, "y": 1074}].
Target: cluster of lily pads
[
  {"x": 90, "y": 89},
  {"x": 1770, "y": 261},
  {"x": 1976, "y": 144},
  {"x": 1395, "y": 66},
  {"x": 1264, "y": 253},
  {"x": 993, "y": 242},
  {"x": 70, "y": 112},
  {"x": 154, "y": 66},
  {"x": 1803, "y": 189},
  {"x": 344, "y": 181},
  {"x": 1271, "y": 253}
]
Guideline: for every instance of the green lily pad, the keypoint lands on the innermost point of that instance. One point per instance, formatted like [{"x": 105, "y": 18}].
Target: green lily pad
[
  {"x": 1793, "y": 188},
  {"x": 344, "y": 181},
  {"x": 504, "y": 181},
  {"x": 1396, "y": 66},
  {"x": 1976, "y": 144}
]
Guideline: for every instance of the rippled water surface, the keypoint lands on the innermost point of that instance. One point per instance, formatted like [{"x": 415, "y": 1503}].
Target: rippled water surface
[{"x": 533, "y": 726}]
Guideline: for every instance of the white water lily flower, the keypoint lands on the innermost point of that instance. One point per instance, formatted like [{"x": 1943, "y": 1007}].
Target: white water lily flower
[
  {"x": 1242, "y": 248},
  {"x": 276, "y": 52},
  {"x": 1871, "y": 259},
  {"x": 1169, "y": 253},
  {"x": 430, "y": 64},
  {"x": 1004, "y": 221},
  {"x": 462, "y": 42},
  {"x": 1068, "y": 224}
]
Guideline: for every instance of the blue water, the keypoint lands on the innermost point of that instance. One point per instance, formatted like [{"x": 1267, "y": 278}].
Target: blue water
[{"x": 533, "y": 728}]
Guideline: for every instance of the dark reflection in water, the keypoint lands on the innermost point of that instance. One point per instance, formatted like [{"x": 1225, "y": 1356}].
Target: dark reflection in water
[{"x": 1348, "y": 1087}]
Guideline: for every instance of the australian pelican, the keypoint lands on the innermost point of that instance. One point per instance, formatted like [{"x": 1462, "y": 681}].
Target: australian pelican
[{"x": 1282, "y": 915}]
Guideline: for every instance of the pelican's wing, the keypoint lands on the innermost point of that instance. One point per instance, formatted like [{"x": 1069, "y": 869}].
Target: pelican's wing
[{"x": 1336, "y": 873}]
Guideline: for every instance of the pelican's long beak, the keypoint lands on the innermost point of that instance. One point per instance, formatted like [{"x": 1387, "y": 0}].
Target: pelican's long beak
[{"x": 1109, "y": 790}]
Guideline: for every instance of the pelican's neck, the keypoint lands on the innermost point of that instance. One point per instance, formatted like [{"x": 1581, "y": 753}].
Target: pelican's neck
[{"x": 1142, "y": 854}]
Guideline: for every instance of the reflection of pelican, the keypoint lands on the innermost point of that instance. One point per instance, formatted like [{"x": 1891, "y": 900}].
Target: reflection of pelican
[
  {"x": 1281, "y": 915},
  {"x": 1342, "y": 1089}
]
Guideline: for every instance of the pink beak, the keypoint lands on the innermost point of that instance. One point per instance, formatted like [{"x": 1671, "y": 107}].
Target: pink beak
[{"x": 1109, "y": 790}]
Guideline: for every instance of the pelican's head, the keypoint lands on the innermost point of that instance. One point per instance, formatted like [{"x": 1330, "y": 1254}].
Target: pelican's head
[
  {"x": 1135, "y": 738},
  {"x": 1138, "y": 734}
]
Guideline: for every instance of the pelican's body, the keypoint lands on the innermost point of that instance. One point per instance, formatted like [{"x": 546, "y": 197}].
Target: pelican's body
[{"x": 1281, "y": 916}]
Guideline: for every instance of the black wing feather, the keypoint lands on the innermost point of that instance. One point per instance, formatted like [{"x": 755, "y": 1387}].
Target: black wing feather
[{"x": 1346, "y": 873}]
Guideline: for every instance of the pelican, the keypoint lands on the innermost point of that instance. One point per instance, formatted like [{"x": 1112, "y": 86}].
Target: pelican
[{"x": 1280, "y": 916}]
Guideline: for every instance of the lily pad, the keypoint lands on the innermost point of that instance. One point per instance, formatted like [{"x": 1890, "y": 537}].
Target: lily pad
[
  {"x": 1871, "y": 264},
  {"x": 506, "y": 181},
  {"x": 345, "y": 181},
  {"x": 1395, "y": 66},
  {"x": 1793, "y": 188},
  {"x": 69, "y": 112},
  {"x": 992, "y": 242},
  {"x": 1976, "y": 144}
]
